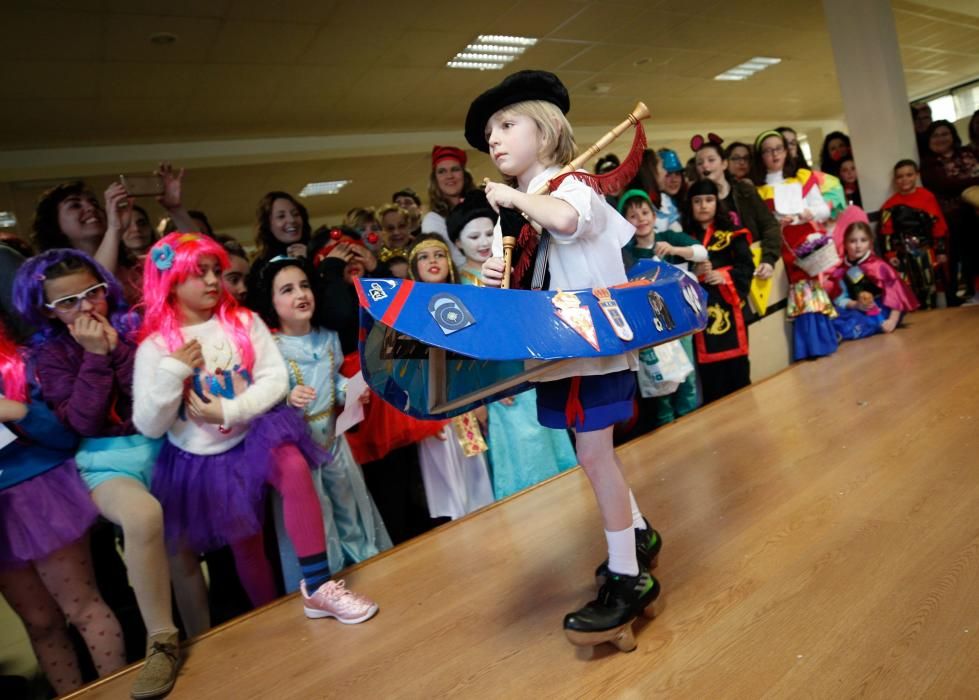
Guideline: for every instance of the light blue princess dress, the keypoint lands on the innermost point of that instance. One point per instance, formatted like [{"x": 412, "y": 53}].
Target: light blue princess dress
[{"x": 354, "y": 529}]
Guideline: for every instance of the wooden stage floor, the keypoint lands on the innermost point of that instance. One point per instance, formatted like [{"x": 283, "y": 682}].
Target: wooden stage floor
[{"x": 821, "y": 537}]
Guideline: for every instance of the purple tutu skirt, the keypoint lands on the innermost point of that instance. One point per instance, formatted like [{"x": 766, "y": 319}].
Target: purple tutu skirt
[
  {"x": 43, "y": 514},
  {"x": 213, "y": 500}
]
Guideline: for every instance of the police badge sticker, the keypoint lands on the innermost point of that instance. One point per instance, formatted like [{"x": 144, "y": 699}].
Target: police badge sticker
[
  {"x": 450, "y": 313},
  {"x": 568, "y": 308}
]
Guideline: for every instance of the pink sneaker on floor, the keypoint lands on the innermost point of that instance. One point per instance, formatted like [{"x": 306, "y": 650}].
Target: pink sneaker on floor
[{"x": 332, "y": 599}]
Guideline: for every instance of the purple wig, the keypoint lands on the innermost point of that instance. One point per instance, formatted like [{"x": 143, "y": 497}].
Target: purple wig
[{"x": 29, "y": 297}]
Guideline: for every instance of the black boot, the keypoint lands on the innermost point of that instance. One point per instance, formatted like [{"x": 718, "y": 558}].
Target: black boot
[
  {"x": 608, "y": 618},
  {"x": 648, "y": 544}
]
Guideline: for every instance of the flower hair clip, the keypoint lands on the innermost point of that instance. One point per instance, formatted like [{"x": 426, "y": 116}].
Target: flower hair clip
[
  {"x": 162, "y": 256},
  {"x": 698, "y": 141}
]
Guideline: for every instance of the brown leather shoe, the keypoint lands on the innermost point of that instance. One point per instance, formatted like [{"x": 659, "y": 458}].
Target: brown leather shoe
[{"x": 159, "y": 672}]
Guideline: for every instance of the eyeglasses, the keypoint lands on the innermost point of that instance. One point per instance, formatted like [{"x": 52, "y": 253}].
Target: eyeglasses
[
  {"x": 739, "y": 159},
  {"x": 70, "y": 303},
  {"x": 773, "y": 151}
]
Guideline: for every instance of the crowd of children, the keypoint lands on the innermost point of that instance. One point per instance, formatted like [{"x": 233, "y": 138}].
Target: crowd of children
[{"x": 182, "y": 389}]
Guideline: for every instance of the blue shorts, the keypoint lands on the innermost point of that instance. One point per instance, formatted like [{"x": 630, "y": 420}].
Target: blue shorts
[
  {"x": 132, "y": 456},
  {"x": 587, "y": 403}
]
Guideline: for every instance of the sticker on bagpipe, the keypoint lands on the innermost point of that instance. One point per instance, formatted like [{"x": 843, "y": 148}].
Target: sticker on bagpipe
[
  {"x": 662, "y": 318},
  {"x": 450, "y": 313}
]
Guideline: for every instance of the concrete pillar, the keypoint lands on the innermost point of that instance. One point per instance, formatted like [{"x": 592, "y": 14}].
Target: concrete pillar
[{"x": 875, "y": 97}]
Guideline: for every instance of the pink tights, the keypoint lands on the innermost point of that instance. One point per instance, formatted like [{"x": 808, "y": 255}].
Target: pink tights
[
  {"x": 303, "y": 520},
  {"x": 44, "y": 594}
]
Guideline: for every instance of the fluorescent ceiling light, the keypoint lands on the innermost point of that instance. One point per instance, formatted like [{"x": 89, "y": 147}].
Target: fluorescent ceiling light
[
  {"x": 313, "y": 189},
  {"x": 745, "y": 70},
  {"x": 496, "y": 48},
  {"x": 474, "y": 66},
  {"x": 490, "y": 52},
  {"x": 491, "y": 57},
  {"x": 508, "y": 40},
  {"x": 7, "y": 219}
]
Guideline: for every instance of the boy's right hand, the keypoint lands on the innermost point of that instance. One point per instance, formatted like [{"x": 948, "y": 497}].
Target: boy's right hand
[
  {"x": 190, "y": 354},
  {"x": 493, "y": 272}
]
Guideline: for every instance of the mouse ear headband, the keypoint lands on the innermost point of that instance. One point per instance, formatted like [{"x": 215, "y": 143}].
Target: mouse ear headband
[{"x": 698, "y": 141}]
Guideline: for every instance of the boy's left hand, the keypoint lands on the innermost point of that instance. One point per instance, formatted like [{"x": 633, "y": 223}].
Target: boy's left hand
[
  {"x": 500, "y": 195},
  {"x": 662, "y": 249},
  {"x": 889, "y": 325}
]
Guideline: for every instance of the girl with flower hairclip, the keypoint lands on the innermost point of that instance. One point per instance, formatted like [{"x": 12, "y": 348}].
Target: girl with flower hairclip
[{"x": 209, "y": 376}]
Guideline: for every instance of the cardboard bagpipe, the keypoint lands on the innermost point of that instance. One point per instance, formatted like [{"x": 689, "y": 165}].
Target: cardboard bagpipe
[{"x": 439, "y": 350}]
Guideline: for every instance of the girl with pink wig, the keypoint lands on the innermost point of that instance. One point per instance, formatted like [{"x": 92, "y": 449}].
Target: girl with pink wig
[{"x": 209, "y": 376}]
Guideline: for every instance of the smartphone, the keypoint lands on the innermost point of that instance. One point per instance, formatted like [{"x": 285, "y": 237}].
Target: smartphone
[{"x": 142, "y": 185}]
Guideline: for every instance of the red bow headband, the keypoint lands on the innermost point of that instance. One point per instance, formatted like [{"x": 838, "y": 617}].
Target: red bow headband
[
  {"x": 336, "y": 238},
  {"x": 440, "y": 153},
  {"x": 698, "y": 141}
]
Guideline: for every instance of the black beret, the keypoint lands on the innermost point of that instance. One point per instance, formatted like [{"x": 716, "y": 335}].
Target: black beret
[
  {"x": 473, "y": 206},
  {"x": 522, "y": 86}
]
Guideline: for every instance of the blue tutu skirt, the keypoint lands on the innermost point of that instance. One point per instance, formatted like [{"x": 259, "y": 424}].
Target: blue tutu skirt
[
  {"x": 43, "y": 514},
  {"x": 213, "y": 500},
  {"x": 813, "y": 336}
]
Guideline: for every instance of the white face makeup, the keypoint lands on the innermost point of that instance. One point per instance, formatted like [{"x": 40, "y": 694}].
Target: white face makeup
[{"x": 476, "y": 240}]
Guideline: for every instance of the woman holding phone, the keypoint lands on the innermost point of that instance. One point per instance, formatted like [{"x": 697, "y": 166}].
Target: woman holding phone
[{"x": 70, "y": 215}]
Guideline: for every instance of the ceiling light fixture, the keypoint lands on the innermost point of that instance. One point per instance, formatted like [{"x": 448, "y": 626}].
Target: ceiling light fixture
[
  {"x": 491, "y": 52},
  {"x": 745, "y": 70},
  {"x": 313, "y": 189},
  {"x": 8, "y": 219}
]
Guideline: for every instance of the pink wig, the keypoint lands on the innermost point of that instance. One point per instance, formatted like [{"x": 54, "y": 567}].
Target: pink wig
[
  {"x": 171, "y": 260},
  {"x": 12, "y": 374}
]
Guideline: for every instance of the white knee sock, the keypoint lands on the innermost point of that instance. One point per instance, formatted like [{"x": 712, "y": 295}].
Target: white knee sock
[
  {"x": 637, "y": 520},
  {"x": 622, "y": 552}
]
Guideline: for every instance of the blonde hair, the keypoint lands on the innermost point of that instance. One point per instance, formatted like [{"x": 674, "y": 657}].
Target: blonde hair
[
  {"x": 557, "y": 145},
  {"x": 386, "y": 209},
  {"x": 358, "y": 217}
]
